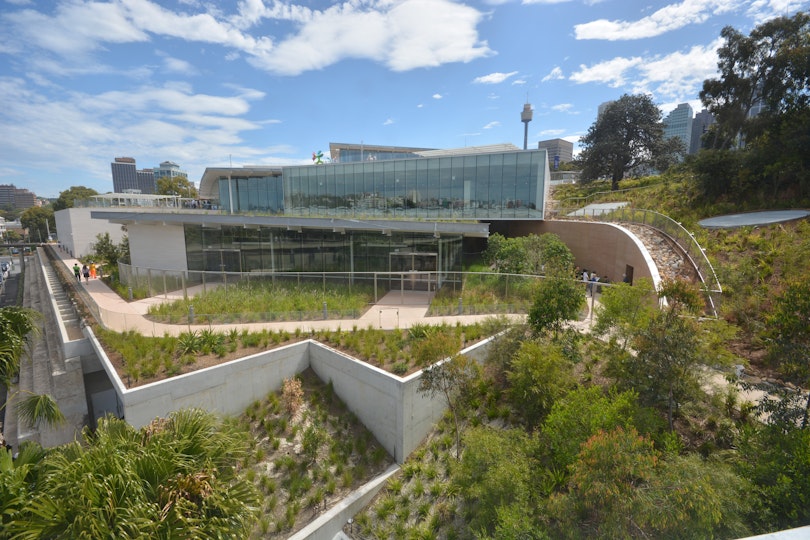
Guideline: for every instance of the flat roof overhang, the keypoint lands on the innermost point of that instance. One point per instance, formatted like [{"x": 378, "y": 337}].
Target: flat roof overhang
[{"x": 436, "y": 228}]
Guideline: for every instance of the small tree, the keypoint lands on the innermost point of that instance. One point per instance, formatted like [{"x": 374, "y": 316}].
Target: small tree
[
  {"x": 557, "y": 300},
  {"x": 453, "y": 380},
  {"x": 105, "y": 250},
  {"x": 789, "y": 336},
  {"x": 625, "y": 310},
  {"x": 538, "y": 375}
]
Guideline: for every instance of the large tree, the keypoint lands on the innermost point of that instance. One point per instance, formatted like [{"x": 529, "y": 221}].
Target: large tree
[
  {"x": 179, "y": 186},
  {"x": 629, "y": 134},
  {"x": 39, "y": 222},
  {"x": 68, "y": 198},
  {"x": 767, "y": 68}
]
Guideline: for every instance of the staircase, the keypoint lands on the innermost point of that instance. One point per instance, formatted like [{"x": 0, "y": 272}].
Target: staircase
[{"x": 45, "y": 370}]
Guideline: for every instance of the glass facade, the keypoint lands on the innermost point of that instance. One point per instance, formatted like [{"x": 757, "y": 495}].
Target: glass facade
[
  {"x": 503, "y": 185},
  {"x": 272, "y": 249},
  {"x": 261, "y": 194}
]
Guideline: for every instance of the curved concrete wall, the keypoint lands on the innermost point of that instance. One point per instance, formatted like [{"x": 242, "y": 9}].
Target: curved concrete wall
[{"x": 604, "y": 248}]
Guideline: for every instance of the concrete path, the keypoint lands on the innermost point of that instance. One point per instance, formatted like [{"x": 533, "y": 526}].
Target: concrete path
[{"x": 397, "y": 309}]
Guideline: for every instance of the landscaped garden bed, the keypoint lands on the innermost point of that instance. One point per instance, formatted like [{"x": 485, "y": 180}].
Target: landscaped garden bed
[{"x": 140, "y": 359}]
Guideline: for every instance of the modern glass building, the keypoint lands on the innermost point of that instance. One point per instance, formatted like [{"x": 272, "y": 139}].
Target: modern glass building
[
  {"x": 488, "y": 185},
  {"x": 400, "y": 214}
]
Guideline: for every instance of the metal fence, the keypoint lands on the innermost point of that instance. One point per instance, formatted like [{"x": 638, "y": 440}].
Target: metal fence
[{"x": 450, "y": 293}]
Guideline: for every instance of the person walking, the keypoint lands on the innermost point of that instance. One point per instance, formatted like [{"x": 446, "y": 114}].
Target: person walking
[
  {"x": 77, "y": 272},
  {"x": 92, "y": 270},
  {"x": 86, "y": 273}
]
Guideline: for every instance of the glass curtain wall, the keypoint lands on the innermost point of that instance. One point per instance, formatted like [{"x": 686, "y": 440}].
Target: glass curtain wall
[
  {"x": 251, "y": 194},
  {"x": 504, "y": 185},
  {"x": 265, "y": 249}
]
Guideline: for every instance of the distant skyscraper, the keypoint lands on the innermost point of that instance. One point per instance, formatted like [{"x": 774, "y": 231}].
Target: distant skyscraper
[
  {"x": 17, "y": 198},
  {"x": 169, "y": 169},
  {"x": 602, "y": 107},
  {"x": 700, "y": 125},
  {"x": 678, "y": 123},
  {"x": 127, "y": 178},
  {"x": 559, "y": 151}
]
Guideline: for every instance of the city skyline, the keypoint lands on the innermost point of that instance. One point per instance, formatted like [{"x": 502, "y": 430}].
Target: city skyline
[{"x": 269, "y": 83}]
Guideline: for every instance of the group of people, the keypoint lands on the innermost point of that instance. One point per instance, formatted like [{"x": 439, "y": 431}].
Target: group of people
[
  {"x": 591, "y": 279},
  {"x": 88, "y": 272}
]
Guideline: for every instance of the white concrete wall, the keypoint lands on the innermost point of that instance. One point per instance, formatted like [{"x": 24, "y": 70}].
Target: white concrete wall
[
  {"x": 225, "y": 389},
  {"x": 77, "y": 231},
  {"x": 158, "y": 246},
  {"x": 392, "y": 408}
]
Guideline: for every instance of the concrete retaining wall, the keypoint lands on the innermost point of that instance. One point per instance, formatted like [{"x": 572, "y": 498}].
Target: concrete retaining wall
[
  {"x": 390, "y": 407},
  {"x": 605, "y": 248}
]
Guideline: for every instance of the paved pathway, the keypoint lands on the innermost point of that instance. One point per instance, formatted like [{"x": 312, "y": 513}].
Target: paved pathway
[{"x": 396, "y": 309}]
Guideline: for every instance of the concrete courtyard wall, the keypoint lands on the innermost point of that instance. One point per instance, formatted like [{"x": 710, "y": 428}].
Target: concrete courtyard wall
[
  {"x": 167, "y": 254},
  {"x": 605, "y": 248},
  {"x": 391, "y": 407}
]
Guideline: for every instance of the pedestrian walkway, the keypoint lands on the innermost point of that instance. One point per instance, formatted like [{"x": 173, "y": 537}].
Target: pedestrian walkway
[{"x": 397, "y": 309}]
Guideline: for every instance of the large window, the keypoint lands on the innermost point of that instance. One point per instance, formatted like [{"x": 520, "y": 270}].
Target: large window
[
  {"x": 501, "y": 185},
  {"x": 267, "y": 249}
]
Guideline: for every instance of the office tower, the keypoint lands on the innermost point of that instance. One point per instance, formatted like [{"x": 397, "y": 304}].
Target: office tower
[
  {"x": 559, "y": 151},
  {"x": 678, "y": 123}
]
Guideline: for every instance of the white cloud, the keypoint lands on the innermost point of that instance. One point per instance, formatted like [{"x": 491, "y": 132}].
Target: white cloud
[
  {"x": 492, "y": 125},
  {"x": 680, "y": 74},
  {"x": 176, "y": 65},
  {"x": 763, "y": 10},
  {"x": 437, "y": 96},
  {"x": 666, "y": 19},
  {"x": 494, "y": 78},
  {"x": 545, "y": 1},
  {"x": 518, "y": 82},
  {"x": 388, "y": 122},
  {"x": 563, "y": 107},
  {"x": 87, "y": 130},
  {"x": 551, "y": 132},
  {"x": 394, "y": 33},
  {"x": 611, "y": 72},
  {"x": 676, "y": 76},
  {"x": 554, "y": 74}
]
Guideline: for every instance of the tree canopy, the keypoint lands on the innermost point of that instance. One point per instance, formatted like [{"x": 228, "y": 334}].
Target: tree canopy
[
  {"x": 178, "y": 186},
  {"x": 39, "y": 222},
  {"x": 628, "y": 135},
  {"x": 68, "y": 198},
  {"x": 761, "y": 138}
]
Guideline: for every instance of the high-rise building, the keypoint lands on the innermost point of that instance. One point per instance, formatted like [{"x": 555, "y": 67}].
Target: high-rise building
[
  {"x": 17, "y": 198},
  {"x": 602, "y": 107},
  {"x": 169, "y": 169},
  {"x": 559, "y": 151},
  {"x": 678, "y": 123},
  {"x": 126, "y": 178},
  {"x": 700, "y": 126}
]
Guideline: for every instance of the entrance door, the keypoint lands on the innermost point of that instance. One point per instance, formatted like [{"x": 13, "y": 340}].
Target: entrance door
[{"x": 418, "y": 270}]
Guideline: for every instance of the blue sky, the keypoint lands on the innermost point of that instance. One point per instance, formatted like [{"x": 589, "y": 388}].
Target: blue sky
[{"x": 263, "y": 82}]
